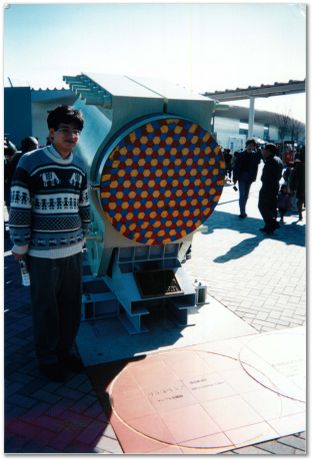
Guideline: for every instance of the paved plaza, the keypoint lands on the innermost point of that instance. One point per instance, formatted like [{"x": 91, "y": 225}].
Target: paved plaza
[{"x": 260, "y": 279}]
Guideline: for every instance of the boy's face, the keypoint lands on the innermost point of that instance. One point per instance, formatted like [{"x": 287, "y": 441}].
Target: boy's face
[{"x": 65, "y": 137}]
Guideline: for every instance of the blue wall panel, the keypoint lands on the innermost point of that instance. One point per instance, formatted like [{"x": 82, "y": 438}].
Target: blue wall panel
[{"x": 17, "y": 114}]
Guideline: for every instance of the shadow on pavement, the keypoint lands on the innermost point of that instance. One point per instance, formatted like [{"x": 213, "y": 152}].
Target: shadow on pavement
[
  {"x": 240, "y": 250},
  {"x": 290, "y": 234}
]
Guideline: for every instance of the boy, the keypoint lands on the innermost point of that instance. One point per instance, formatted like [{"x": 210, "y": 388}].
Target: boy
[{"x": 48, "y": 222}]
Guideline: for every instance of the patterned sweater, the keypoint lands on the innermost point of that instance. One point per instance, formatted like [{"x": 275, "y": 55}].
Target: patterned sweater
[{"x": 50, "y": 211}]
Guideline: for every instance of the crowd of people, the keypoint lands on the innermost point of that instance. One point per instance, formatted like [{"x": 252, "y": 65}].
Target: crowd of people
[{"x": 283, "y": 185}]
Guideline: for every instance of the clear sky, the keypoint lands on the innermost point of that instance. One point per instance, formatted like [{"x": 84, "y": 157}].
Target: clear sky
[{"x": 202, "y": 46}]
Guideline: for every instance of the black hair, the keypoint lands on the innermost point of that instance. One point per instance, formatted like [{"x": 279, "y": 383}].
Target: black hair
[
  {"x": 64, "y": 114},
  {"x": 9, "y": 148},
  {"x": 271, "y": 148},
  {"x": 28, "y": 144}
]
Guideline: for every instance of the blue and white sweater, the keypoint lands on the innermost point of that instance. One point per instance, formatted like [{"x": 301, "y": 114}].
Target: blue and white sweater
[{"x": 50, "y": 210}]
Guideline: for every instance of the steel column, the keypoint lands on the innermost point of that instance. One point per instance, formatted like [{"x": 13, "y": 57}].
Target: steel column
[{"x": 251, "y": 117}]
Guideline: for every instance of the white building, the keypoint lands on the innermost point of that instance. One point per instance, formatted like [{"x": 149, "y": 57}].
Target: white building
[{"x": 26, "y": 110}]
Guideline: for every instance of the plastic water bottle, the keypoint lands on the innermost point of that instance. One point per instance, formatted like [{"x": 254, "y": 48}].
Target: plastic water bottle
[
  {"x": 24, "y": 272},
  {"x": 200, "y": 293},
  {"x": 195, "y": 284}
]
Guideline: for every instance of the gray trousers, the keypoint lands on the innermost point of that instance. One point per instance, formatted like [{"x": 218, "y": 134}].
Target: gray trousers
[{"x": 56, "y": 289}]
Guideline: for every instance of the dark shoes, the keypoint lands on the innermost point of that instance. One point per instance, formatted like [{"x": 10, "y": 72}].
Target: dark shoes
[
  {"x": 269, "y": 230},
  {"x": 276, "y": 225},
  {"x": 73, "y": 364},
  {"x": 242, "y": 216},
  {"x": 54, "y": 372},
  {"x": 266, "y": 230}
]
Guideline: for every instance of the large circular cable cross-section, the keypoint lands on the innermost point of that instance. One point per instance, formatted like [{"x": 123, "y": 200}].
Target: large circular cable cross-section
[{"x": 162, "y": 180}]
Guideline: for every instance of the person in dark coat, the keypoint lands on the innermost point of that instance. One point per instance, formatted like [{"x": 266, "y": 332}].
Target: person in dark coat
[
  {"x": 271, "y": 175},
  {"x": 228, "y": 163},
  {"x": 245, "y": 173},
  {"x": 297, "y": 181}
]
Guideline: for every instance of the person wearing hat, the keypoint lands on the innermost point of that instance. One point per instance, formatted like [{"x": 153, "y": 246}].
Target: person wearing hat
[{"x": 271, "y": 175}]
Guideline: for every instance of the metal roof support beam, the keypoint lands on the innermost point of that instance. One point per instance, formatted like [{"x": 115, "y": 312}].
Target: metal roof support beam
[
  {"x": 277, "y": 89},
  {"x": 251, "y": 117}
]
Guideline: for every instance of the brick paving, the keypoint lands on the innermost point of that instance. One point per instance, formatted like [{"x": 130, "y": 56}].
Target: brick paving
[
  {"x": 261, "y": 279},
  {"x": 288, "y": 445}
]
